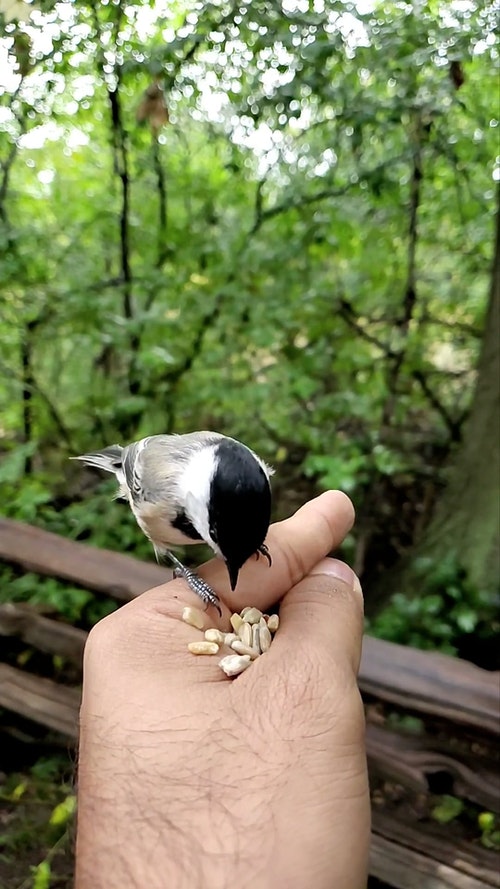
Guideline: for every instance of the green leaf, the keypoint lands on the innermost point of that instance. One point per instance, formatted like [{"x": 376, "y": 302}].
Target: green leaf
[
  {"x": 63, "y": 812},
  {"x": 486, "y": 820},
  {"x": 41, "y": 875},
  {"x": 448, "y": 809},
  {"x": 466, "y": 618},
  {"x": 18, "y": 791}
]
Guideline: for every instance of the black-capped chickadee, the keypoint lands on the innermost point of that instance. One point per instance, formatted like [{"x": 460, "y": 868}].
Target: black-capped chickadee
[{"x": 199, "y": 487}]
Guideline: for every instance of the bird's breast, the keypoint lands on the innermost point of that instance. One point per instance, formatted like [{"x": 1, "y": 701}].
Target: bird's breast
[{"x": 160, "y": 525}]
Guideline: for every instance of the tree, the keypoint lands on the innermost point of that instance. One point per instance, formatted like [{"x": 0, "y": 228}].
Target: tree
[
  {"x": 466, "y": 523},
  {"x": 272, "y": 219}
]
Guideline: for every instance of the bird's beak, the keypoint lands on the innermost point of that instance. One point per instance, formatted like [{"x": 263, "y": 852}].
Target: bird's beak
[{"x": 233, "y": 571}]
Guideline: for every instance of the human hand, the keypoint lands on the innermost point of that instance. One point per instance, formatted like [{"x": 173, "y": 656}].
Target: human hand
[{"x": 188, "y": 779}]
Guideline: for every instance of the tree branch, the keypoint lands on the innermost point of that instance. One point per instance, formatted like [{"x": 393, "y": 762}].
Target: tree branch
[
  {"x": 453, "y": 426},
  {"x": 121, "y": 169},
  {"x": 352, "y": 319},
  {"x": 10, "y": 241},
  {"x": 55, "y": 415},
  {"x": 120, "y": 163},
  {"x": 296, "y": 203},
  {"x": 410, "y": 292},
  {"x": 258, "y": 206},
  {"x": 174, "y": 376},
  {"x": 27, "y": 389},
  {"x": 30, "y": 387},
  {"x": 162, "y": 249},
  {"x": 461, "y": 326}
]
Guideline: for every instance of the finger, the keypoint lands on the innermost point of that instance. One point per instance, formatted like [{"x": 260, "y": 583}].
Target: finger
[
  {"x": 323, "y": 615},
  {"x": 295, "y": 544}
]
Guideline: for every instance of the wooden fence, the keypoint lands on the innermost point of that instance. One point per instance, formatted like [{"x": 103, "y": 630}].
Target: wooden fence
[{"x": 454, "y": 749}]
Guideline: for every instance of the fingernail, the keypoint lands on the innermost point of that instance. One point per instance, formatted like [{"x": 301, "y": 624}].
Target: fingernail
[{"x": 338, "y": 569}]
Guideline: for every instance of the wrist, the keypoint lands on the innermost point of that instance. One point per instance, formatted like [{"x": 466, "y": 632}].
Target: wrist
[{"x": 150, "y": 818}]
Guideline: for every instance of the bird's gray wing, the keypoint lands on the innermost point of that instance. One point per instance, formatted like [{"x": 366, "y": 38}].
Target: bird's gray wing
[
  {"x": 146, "y": 463},
  {"x": 132, "y": 469},
  {"x": 109, "y": 459},
  {"x": 151, "y": 464}
]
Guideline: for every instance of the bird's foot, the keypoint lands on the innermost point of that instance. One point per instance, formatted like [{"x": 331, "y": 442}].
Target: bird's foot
[
  {"x": 196, "y": 584},
  {"x": 263, "y": 551}
]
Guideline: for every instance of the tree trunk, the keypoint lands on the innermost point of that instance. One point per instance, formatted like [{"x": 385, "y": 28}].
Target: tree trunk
[
  {"x": 466, "y": 522},
  {"x": 465, "y": 528}
]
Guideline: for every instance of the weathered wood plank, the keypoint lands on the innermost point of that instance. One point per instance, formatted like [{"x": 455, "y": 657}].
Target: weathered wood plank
[
  {"x": 406, "y": 869},
  {"x": 410, "y": 759},
  {"x": 430, "y": 682},
  {"x": 41, "y": 700},
  {"x": 50, "y": 636},
  {"x": 101, "y": 570},
  {"x": 438, "y": 849},
  {"x": 422, "y": 681}
]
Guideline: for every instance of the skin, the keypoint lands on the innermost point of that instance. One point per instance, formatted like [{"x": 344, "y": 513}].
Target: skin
[{"x": 190, "y": 780}]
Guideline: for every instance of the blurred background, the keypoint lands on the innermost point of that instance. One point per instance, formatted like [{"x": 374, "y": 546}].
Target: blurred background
[{"x": 278, "y": 220}]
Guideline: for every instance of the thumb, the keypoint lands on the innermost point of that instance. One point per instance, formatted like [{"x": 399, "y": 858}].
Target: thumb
[{"x": 323, "y": 614}]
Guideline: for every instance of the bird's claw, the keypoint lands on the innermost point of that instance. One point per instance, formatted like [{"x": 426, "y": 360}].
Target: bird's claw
[
  {"x": 200, "y": 587},
  {"x": 195, "y": 583},
  {"x": 263, "y": 550}
]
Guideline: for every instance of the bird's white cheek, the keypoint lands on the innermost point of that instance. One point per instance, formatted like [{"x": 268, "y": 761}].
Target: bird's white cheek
[
  {"x": 213, "y": 546},
  {"x": 198, "y": 514},
  {"x": 194, "y": 490}
]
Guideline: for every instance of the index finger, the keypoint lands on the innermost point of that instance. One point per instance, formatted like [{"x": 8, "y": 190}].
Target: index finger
[{"x": 296, "y": 545}]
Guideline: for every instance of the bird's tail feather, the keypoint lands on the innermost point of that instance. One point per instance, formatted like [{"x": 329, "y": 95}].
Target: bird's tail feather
[{"x": 109, "y": 459}]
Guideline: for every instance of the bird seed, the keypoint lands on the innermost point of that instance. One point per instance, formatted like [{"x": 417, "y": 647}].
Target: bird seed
[
  {"x": 252, "y": 616},
  {"x": 273, "y": 622},
  {"x": 233, "y": 664},
  {"x": 236, "y": 621},
  {"x": 245, "y": 633},
  {"x": 256, "y": 638},
  {"x": 203, "y": 647},
  {"x": 241, "y": 648},
  {"x": 214, "y": 635},
  {"x": 264, "y": 638},
  {"x": 194, "y": 617},
  {"x": 252, "y": 636}
]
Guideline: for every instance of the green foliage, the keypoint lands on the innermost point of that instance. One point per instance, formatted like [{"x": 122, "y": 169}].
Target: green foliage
[
  {"x": 298, "y": 257},
  {"x": 63, "y": 812},
  {"x": 489, "y": 825},
  {"x": 38, "y": 813},
  {"x": 255, "y": 229},
  {"x": 74, "y": 603},
  {"x": 445, "y": 608},
  {"x": 404, "y": 722},
  {"x": 41, "y": 875},
  {"x": 449, "y": 808}
]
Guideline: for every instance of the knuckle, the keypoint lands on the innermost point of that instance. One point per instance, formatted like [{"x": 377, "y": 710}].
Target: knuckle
[{"x": 294, "y": 561}]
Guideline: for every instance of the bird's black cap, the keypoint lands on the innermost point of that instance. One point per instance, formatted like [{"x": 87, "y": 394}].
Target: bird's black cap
[{"x": 240, "y": 505}]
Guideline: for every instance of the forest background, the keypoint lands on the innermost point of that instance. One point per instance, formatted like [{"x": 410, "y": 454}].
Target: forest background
[{"x": 275, "y": 219}]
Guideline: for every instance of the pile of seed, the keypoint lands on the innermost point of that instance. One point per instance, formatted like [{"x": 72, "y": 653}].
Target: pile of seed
[{"x": 252, "y": 636}]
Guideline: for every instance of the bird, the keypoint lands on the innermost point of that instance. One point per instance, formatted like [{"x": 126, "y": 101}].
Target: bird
[{"x": 194, "y": 488}]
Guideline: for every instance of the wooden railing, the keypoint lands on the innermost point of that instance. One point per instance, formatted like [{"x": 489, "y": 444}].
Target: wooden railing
[{"x": 452, "y": 748}]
